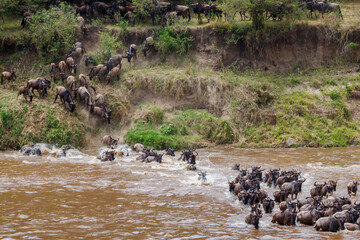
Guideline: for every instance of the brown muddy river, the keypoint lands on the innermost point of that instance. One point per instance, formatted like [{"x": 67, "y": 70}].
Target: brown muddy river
[{"x": 79, "y": 197}]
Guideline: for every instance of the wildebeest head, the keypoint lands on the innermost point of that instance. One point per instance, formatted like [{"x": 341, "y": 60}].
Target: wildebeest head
[
  {"x": 107, "y": 115},
  {"x": 72, "y": 107},
  {"x": 300, "y": 182},
  {"x": 341, "y": 219},
  {"x": 283, "y": 194},
  {"x": 13, "y": 74},
  {"x": 170, "y": 152}
]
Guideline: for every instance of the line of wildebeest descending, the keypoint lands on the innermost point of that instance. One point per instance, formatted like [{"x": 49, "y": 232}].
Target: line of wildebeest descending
[
  {"x": 327, "y": 212},
  {"x": 81, "y": 89}
]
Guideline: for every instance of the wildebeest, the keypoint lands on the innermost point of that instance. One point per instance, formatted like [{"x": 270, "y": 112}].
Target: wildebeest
[
  {"x": 254, "y": 216},
  {"x": 309, "y": 217},
  {"x": 139, "y": 147},
  {"x": 330, "y": 224},
  {"x": 100, "y": 100},
  {"x": 170, "y": 152},
  {"x": 157, "y": 158},
  {"x": 86, "y": 97},
  {"x": 62, "y": 70},
  {"x": 8, "y": 76},
  {"x": 30, "y": 150},
  {"x": 200, "y": 8},
  {"x": 102, "y": 113},
  {"x": 114, "y": 61},
  {"x": 83, "y": 81},
  {"x": 324, "y": 7},
  {"x": 236, "y": 167},
  {"x": 71, "y": 84},
  {"x": 65, "y": 96},
  {"x": 280, "y": 195},
  {"x": 76, "y": 55},
  {"x": 181, "y": 10},
  {"x": 316, "y": 190},
  {"x": 82, "y": 10},
  {"x": 131, "y": 53},
  {"x": 108, "y": 155},
  {"x": 114, "y": 74},
  {"x": 285, "y": 217},
  {"x": 281, "y": 180},
  {"x": 268, "y": 205},
  {"x": 94, "y": 71},
  {"x": 71, "y": 65},
  {"x": 147, "y": 45},
  {"x": 352, "y": 187},
  {"x": 81, "y": 22},
  {"x": 26, "y": 92},
  {"x": 40, "y": 84},
  {"x": 110, "y": 141},
  {"x": 52, "y": 71},
  {"x": 89, "y": 60},
  {"x": 102, "y": 73},
  {"x": 293, "y": 188}
]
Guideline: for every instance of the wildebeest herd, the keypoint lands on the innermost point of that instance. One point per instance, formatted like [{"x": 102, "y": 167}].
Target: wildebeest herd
[
  {"x": 75, "y": 88},
  {"x": 321, "y": 209},
  {"x": 167, "y": 12}
]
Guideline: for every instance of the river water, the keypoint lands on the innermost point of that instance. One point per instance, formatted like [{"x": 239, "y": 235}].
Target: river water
[{"x": 79, "y": 197}]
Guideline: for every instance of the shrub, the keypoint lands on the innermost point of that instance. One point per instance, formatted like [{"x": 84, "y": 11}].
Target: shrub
[
  {"x": 109, "y": 44},
  {"x": 171, "y": 41},
  {"x": 53, "y": 31}
]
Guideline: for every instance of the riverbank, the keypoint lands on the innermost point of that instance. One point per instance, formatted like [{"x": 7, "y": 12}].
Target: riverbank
[{"x": 293, "y": 88}]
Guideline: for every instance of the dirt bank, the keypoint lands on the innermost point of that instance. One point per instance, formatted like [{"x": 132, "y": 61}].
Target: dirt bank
[{"x": 275, "y": 50}]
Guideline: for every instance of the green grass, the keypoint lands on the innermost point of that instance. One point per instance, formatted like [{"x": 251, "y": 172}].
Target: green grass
[
  {"x": 190, "y": 128},
  {"x": 22, "y": 123}
]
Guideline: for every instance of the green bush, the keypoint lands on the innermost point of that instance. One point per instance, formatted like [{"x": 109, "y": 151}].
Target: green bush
[
  {"x": 170, "y": 41},
  {"x": 191, "y": 128},
  {"x": 109, "y": 44},
  {"x": 53, "y": 31}
]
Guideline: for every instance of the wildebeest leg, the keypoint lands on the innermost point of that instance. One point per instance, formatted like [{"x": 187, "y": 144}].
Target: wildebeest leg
[
  {"x": 32, "y": 91},
  {"x": 56, "y": 97}
]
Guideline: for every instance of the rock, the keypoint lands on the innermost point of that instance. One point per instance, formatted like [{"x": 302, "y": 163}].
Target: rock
[{"x": 290, "y": 142}]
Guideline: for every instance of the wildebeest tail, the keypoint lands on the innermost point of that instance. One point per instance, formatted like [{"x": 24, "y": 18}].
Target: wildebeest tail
[
  {"x": 2, "y": 79},
  {"x": 93, "y": 88}
]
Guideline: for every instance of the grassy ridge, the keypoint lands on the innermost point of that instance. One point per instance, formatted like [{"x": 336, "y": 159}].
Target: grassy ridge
[
  {"x": 39, "y": 121},
  {"x": 189, "y": 128},
  {"x": 312, "y": 107}
]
